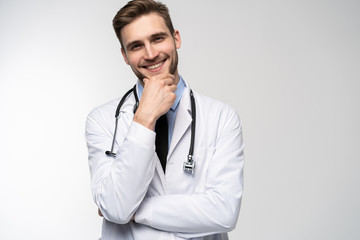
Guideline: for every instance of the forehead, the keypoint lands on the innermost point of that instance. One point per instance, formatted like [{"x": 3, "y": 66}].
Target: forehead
[{"x": 143, "y": 27}]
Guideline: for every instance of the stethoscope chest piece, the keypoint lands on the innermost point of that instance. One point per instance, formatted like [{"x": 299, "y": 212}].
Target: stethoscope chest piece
[{"x": 189, "y": 165}]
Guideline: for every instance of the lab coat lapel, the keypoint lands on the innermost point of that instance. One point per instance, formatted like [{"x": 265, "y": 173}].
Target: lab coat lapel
[{"x": 182, "y": 120}]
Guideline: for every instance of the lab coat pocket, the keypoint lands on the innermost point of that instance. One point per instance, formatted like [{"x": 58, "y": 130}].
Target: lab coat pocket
[{"x": 180, "y": 182}]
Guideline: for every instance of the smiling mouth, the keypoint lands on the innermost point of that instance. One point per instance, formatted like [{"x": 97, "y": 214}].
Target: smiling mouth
[{"x": 155, "y": 66}]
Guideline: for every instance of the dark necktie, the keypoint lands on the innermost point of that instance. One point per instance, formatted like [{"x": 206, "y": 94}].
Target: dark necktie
[{"x": 161, "y": 140}]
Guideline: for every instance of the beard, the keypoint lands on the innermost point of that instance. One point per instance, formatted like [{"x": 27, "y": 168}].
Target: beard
[{"x": 172, "y": 69}]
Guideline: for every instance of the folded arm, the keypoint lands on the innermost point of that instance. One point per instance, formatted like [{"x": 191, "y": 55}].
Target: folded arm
[
  {"x": 216, "y": 209},
  {"x": 119, "y": 184}
]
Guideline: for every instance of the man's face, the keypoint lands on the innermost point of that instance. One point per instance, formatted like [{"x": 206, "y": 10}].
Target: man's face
[{"x": 150, "y": 48}]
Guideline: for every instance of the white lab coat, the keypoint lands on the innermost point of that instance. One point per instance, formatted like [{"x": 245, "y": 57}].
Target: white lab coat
[{"x": 176, "y": 205}]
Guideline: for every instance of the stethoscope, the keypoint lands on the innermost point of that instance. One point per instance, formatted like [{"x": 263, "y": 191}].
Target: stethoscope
[{"x": 189, "y": 165}]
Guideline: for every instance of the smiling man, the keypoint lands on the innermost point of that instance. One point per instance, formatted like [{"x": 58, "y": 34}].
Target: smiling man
[
  {"x": 175, "y": 168},
  {"x": 150, "y": 49}
]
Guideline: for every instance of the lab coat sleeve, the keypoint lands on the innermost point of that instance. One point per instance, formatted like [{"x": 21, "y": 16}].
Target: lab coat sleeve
[
  {"x": 119, "y": 184},
  {"x": 216, "y": 209}
]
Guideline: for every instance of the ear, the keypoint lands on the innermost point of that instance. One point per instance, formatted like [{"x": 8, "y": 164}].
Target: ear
[
  {"x": 177, "y": 39},
  {"x": 124, "y": 56}
]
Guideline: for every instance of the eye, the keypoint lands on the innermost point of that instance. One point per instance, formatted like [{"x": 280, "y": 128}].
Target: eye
[
  {"x": 135, "y": 47},
  {"x": 159, "y": 39}
]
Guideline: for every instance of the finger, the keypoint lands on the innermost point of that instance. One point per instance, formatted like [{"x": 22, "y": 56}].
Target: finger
[
  {"x": 145, "y": 80},
  {"x": 171, "y": 76},
  {"x": 169, "y": 81},
  {"x": 166, "y": 75},
  {"x": 100, "y": 213},
  {"x": 173, "y": 88}
]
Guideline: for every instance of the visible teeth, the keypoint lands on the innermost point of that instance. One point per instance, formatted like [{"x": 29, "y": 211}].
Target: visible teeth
[{"x": 155, "y": 66}]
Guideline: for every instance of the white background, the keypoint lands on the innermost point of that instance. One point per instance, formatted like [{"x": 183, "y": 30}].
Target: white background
[{"x": 290, "y": 68}]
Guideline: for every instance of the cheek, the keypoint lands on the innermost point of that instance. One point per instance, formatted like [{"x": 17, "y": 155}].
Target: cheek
[
  {"x": 169, "y": 48},
  {"x": 133, "y": 59},
  {"x": 170, "y": 51}
]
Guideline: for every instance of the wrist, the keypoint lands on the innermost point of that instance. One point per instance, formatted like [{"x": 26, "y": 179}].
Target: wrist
[{"x": 147, "y": 121}]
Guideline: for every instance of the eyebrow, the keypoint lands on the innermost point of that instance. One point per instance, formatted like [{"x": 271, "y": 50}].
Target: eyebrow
[
  {"x": 155, "y": 35},
  {"x": 160, "y": 34}
]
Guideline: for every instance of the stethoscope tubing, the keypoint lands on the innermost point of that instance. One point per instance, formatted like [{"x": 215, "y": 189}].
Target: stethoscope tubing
[{"x": 189, "y": 165}]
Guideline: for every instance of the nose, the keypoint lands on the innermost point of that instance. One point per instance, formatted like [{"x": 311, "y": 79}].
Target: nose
[{"x": 150, "y": 52}]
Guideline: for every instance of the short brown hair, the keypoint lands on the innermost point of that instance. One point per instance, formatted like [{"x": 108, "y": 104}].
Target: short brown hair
[{"x": 138, "y": 8}]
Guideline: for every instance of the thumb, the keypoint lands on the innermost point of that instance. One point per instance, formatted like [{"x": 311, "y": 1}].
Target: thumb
[{"x": 145, "y": 80}]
